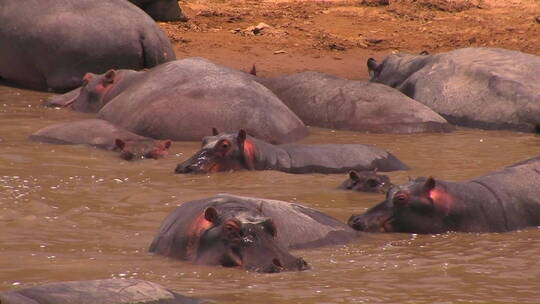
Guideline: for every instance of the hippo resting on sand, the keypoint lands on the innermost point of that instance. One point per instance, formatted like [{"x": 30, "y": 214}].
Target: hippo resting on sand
[
  {"x": 484, "y": 88},
  {"x": 161, "y": 10},
  {"x": 50, "y": 45},
  {"x": 103, "y": 135},
  {"x": 252, "y": 233},
  {"x": 366, "y": 181},
  {"x": 504, "y": 200},
  {"x": 327, "y": 101},
  {"x": 226, "y": 152},
  {"x": 108, "y": 291},
  {"x": 178, "y": 100}
]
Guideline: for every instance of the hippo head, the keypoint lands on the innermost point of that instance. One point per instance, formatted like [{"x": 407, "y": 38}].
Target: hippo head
[
  {"x": 396, "y": 68},
  {"x": 131, "y": 150},
  {"x": 243, "y": 241},
  {"x": 420, "y": 206},
  {"x": 221, "y": 152},
  {"x": 367, "y": 181},
  {"x": 91, "y": 96}
]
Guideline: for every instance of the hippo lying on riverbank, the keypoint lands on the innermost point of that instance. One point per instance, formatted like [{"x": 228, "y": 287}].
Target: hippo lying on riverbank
[
  {"x": 484, "y": 88},
  {"x": 327, "y": 101},
  {"x": 504, "y": 200},
  {"x": 103, "y": 135},
  {"x": 50, "y": 45},
  {"x": 161, "y": 10},
  {"x": 366, "y": 181},
  {"x": 179, "y": 100},
  {"x": 252, "y": 233},
  {"x": 226, "y": 152},
  {"x": 108, "y": 291}
]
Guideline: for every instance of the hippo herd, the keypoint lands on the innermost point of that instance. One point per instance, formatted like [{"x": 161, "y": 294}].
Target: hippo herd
[{"x": 143, "y": 100}]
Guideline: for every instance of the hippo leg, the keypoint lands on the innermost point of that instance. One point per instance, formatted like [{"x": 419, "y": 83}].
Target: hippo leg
[{"x": 165, "y": 10}]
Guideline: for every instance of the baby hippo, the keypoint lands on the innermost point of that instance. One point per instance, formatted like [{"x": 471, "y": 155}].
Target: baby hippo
[
  {"x": 229, "y": 152},
  {"x": 104, "y": 135},
  {"x": 366, "y": 181}
]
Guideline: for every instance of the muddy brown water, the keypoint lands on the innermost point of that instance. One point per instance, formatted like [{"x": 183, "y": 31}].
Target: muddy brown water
[{"x": 78, "y": 213}]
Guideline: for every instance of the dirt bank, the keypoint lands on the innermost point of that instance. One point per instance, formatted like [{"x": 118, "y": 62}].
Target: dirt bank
[{"x": 338, "y": 36}]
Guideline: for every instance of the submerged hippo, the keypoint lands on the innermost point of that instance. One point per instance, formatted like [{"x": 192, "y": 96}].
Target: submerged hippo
[
  {"x": 178, "y": 100},
  {"x": 38, "y": 50},
  {"x": 236, "y": 151},
  {"x": 161, "y": 10},
  {"x": 366, "y": 181},
  {"x": 252, "y": 233},
  {"x": 504, "y": 200},
  {"x": 108, "y": 291},
  {"x": 104, "y": 135},
  {"x": 327, "y": 101},
  {"x": 484, "y": 88}
]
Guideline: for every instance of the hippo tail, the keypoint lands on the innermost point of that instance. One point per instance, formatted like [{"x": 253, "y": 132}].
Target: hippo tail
[{"x": 155, "y": 49}]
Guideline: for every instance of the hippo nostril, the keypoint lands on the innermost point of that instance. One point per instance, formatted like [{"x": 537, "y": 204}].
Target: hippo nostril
[{"x": 356, "y": 222}]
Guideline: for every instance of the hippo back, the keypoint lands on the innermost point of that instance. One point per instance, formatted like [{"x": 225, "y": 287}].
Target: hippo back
[
  {"x": 184, "y": 99},
  {"x": 327, "y": 101},
  {"x": 487, "y": 88}
]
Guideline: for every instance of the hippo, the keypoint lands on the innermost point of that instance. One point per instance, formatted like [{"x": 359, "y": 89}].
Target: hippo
[
  {"x": 96, "y": 90},
  {"x": 250, "y": 233},
  {"x": 38, "y": 51},
  {"x": 178, "y": 100},
  {"x": 104, "y": 135},
  {"x": 236, "y": 151},
  {"x": 487, "y": 88},
  {"x": 505, "y": 200},
  {"x": 366, "y": 181},
  {"x": 107, "y": 291},
  {"x": 327, "y": 101},
  {"x": 161, "y": 10}
]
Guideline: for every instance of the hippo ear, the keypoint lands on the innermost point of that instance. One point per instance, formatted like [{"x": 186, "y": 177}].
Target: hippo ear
[
  {"x": 86, "y": 78},
  {"x": 120, "y": 144},
  {"x": 215, "y": 132},
  {"x": 110, "y": 75},
  {"x": 253, "y": 70},
  {"x": 354, "y": 175},
  {"x": 166, "y": 144},
  {"x": 241, "y": 136},
  {"x": 429, "y": 185},
  {"x": 270, "y": 227},
  {"x": 373, "y": 67},
  {"x": 211, "y": 214},
  {"x": 424, "y": 52}
]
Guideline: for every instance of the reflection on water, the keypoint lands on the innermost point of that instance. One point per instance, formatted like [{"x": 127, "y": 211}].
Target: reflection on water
[{"x": 77, "y": 213}]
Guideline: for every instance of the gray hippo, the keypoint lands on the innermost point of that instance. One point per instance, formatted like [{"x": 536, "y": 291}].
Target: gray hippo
[
  {"x": 504, "y": 200},
  {"x": 102, "y": 134},
  {"x": 236, "y": 151},
  {"x": 108, "y": 291},
  {"x": 366, "y": 181},
  {"x": 327, "y": 101},
  {"x": 161, "y": 10},
  {"x": 50, "y": 45},
  {"x": 486, "y": 88},
  {"x": 179, "y": 100},
  {"x": 251, "y": 233}
]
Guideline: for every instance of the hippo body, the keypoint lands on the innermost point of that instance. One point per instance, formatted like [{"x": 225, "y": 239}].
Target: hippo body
[
  {"x": 504, "y": 200},
  {"x": 108, "y": 291},
  {"x": 38, "y": 50},
  {"x": 327, "y": 101},
  {"x": 104, "y": 135},
  {"x": 366, "y": 181},
  {"x": 182, "y": 99},
  {"x": 486, "y": 88},
  {"x": 161, "y": 10},
  {"x": 188, "y": 232},
  {"x": 225, "y": 152}
]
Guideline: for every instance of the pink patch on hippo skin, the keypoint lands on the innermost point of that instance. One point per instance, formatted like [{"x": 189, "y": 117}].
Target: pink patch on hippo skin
[
  {"x": 198, "y": 226},
  {"x": 441, "y": 199},
  {"x": 249, "y": 154}
]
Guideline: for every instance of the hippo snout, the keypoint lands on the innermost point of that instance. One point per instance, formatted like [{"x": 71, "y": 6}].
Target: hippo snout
[
  {"x": 183, "y": 168},
  {"x": 356, "y": 222},
  {"x": 302, "y": 264}
]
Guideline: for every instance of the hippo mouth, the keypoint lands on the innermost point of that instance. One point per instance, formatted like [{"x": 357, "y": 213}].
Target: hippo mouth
[{"x": 387, "y": 224}]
